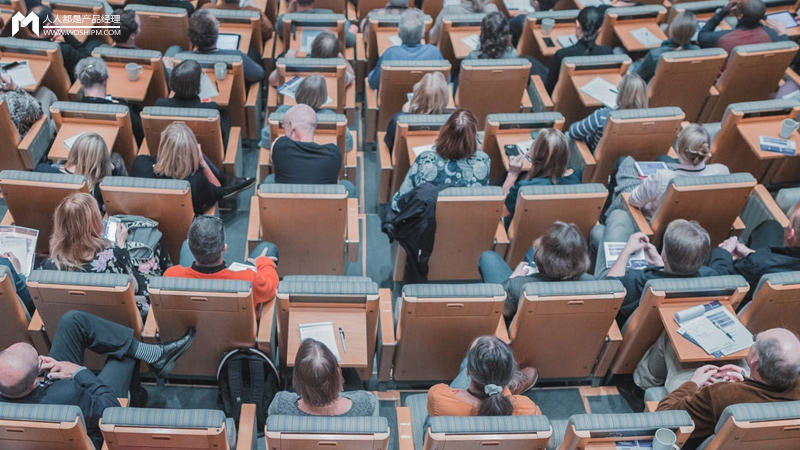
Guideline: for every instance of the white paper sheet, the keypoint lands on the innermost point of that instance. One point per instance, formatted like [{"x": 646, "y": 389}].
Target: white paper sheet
[
  {"x": 567, "y": 40},
  {"x": 207, "y": 88},
  {"x": 22, "y": 75},
  {"x": 422, "y": 148},
  {"x": 472, "y": 41},
  {"x": 322, "y": 332},
  {"x": 602, "y": 90},
  {"x": 647, "y": 38}
]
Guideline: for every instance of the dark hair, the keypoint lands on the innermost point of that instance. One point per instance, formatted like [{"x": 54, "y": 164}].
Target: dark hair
[
  {"x": 562, "y": 253},
  {"x": 686, "y": 247},
  {"x": 495, "y": 36},
  {"x": 458, "y": 138},
  {"x": 751, "y": 12},
  {"x": 206, "y": 238},
  {"x": 590, "y": 20},
  {"x": 549, "y": 155},
  {"x": 305, "y": 2},
  {"x": 203, "y": 30},
  {"x": 317, "y": 378},
  {"x": 546, "y": 5},
  {"x": 45, "y": 15},
  {"x": 326, "y": 45},
  {"x": 185, "y": 79},
  {"x": 127, "y": 25},
  {"x": 490, "y": 362}
]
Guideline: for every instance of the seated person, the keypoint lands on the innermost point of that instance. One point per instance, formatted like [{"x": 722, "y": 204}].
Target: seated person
[
  {"x": 495, "y": 39},
  {"x": 92, "y": 72},
  {"x": 694, "y": 149},
  {"x": 410, "y": 31},
  {"x": 487, "y": 385},
  {"x": 78, "y": 245},
  {"x": 130, "y": 25},
  {"x": 685, "y": 248},
  {"x": 561, "y": 254},
  {"x": 681, "y": 31},
  {"x": 23, "y": 108},
  {"x": 313, "y": 92},
  {"x": 325, "y": 45},
  {"x": 307, "y": 7},
  {"x": 71, "y": 49},
  {"x": 464, "y": 7},
  {"x": 429, "y": 96},
  {"x": 206, "y": 242},
  {"x": 15, "y": 269},
  {"x": 393, "y": 7},
  {"x": 772, "y": 359},
  {"x": 68, "y": 382},
  {"x": 632, "y": 94},
  {"x": 203, "y": 33},
  {"x": 297, "y": 159},
  {"x": 89, "y": 157},
  {"x": 517, "y": 23},
  {"x": 184, "y": 81},
  {"x": 455, "y": 159},
  {"x": 586, "y": 28},
  {"x": 249, "y": 5},
  {"x": 319, "y": 384},
  {"x": 181, "y": 158},
  {"x": 548, "y": 157}
]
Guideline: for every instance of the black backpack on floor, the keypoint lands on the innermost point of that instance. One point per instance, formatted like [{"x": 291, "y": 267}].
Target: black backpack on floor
[{"x": 247, "y": 375}]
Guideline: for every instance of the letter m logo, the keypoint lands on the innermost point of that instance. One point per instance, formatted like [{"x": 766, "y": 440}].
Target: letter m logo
[{"x": 18, "y": 19}]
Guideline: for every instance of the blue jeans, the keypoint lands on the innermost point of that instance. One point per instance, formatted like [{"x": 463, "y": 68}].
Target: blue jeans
[
  {"x": 351, "y": 188},
  {"x": 187, "y": 259},
  {"x": 493, "y": 267}
]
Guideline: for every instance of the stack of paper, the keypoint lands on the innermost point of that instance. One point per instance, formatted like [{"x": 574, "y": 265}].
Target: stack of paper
[
  {"x": 21, "y": 242},
  {"x": 777, "y": 145},
  {"x": 395, "y": 40},
  {"x": 601, "y": 90},
  {"x": 714, "y": 329},
  {"x": 321, "y": 332},
  {"x": 567, "y": 40},
  {"x": 21, "y": 74},
  {"x": 207, "y": 88},
  {"x": 69, "y": 142},
  {"x": 646, "y": 38}
]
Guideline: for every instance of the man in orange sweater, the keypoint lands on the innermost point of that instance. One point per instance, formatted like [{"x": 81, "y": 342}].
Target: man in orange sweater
[{"x": 206, "y": 241}]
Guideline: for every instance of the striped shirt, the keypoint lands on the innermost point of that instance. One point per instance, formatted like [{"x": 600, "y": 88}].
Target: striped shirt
[{"x": 591, "y": 128}]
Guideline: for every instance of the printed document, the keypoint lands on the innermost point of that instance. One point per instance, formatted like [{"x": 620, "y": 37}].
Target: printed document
[{"x": 322, "y": 332}]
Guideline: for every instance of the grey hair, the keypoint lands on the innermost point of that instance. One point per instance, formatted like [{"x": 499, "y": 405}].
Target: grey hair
[
  {"x": 774, "y": 367},
  {"x": 206, "y": 239},
  {"x": 412, "y": 27},
  {"x": 91, "y": 71}
]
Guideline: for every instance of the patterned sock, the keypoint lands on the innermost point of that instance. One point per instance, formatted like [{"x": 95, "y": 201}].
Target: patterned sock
[{"x": 148, "y": 353}]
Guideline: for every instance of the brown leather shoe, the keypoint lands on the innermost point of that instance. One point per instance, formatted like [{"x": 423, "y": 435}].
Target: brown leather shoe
[{"x": 524, "y": 379}]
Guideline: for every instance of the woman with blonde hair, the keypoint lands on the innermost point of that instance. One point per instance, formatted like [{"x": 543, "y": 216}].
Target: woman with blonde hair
[
  {"x": 429, "y": 96},
  {"x": 180, "y": 157},
  {"x": 78, "y": 245},
  {"x": 548, "y": 158},
  {"x": 632, "y": 94},
  {"x": 89, "y": 157},
  {"x": 681, "y": 30},
  {"x": 694, "y": 149}
]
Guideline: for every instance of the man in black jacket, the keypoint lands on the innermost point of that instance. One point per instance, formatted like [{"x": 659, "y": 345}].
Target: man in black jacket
[{"x": 67, "y": 382}]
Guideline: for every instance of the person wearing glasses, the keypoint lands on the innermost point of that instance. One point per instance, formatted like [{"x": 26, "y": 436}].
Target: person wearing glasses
[
  {"x": 548, "y": 158},
  {"x": 202, "y": 258}
]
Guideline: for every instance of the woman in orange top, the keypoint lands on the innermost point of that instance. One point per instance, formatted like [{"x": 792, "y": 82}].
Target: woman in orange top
[{"x": 491, "y": 368}]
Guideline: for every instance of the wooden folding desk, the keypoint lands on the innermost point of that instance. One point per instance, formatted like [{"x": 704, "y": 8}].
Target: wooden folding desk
[
  {"x": 39, "y": 66},
  {"x": 353, "y": 322},
  {"x": 687, "y": 351},
  {"x": 631, "y": 44},
  {"x": 504, "y": 139},
  {"x": 581, "y": 79},
  {"x": 59, "y": 152},
  {"x": 751, "y": 130},
  {"x": 224, "y": 87},
  {"x": 417, "y": 141},
  {"x": 563, "y": 29},
  {"x": 460, "y": 49},
  {"x": 120, "y": 86}
]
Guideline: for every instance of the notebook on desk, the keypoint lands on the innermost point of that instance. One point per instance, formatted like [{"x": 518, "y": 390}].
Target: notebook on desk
[
  {"x": 321, "y": 332},
  {"x": 646, "y": 37},
  {"x": 21, "y": 242},
  {"x": 601, "y": 90}
]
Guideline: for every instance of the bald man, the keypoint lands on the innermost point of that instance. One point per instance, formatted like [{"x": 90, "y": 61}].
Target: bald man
[
  {"x": 773, "y": 360},
  {"x": 67, "y": 382},
  {"x": 296, "y": 158}
]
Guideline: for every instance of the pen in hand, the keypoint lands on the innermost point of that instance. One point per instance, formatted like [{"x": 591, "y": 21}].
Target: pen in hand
[{"x": 341, "y": 335}]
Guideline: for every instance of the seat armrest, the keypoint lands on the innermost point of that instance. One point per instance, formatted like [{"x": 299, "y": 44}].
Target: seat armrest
[
  {"x": 637, "y": 216},
  {"x": 738, "y": 227},
  {"x": 7, "y": 219},
  {"x": 253, "y": 110},
  {"x": 351, "y": 162},
  {"x": 609, "y": 350},
  {"x": 35, "y": 143},
  {"x": 792, "y": 75},
  {"x": 388, "y": 342},
  {"x": 232, "y": 164},
  {"x": 247, "y": 427},
  {"x": 761, "y": 195},
  {"x": 501, "y": 240},
  {"x": 253, "y": 225},
  {"x": 38, "y": 336},
  {"x": 150, "y": 330},
  {"x": 540, "y": 99},
  {"x": 581, "y": 158},
  {"x": 709, "y": 106},
  {"x": 650, "y": 406},
  {"x": 266, "y": 328},
  {"x": 526, "y": 106},
  {"x": 264, "y": 165},
  {"x": 352, "y": 229},
  {"x": 386, "y": 169},
  {"x": 405, "y": 435}
]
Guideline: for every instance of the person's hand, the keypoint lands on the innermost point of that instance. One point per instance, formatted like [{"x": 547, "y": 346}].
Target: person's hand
[
  {"x": 46, "y": 363},
  {"x": 63, "y": 370},
  {"x": 353, "y": 28},
  {"x": 521, "y": 270},
  {"x": 292, "y": 6},
  {"x": 652, "y": 256},
  {"x": 636, "y": 242},
  {"x": 169, "y": 63},
  {"x": 291, "y": 53},
  {"x": 730, "y": 373},
  {"x": 7, "y": 83},
  {"x": 13, "y": 260},
  {"x": 515, "y": 164},
  {"x": 703, "y": 375},
  {"x": 730, "y": 244},
  {"x": 122, "y": 235},
  {"x": 776, "y": 25},
  {"x": 741, "y": 251},
  {"x": 730, "y": 6}
]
